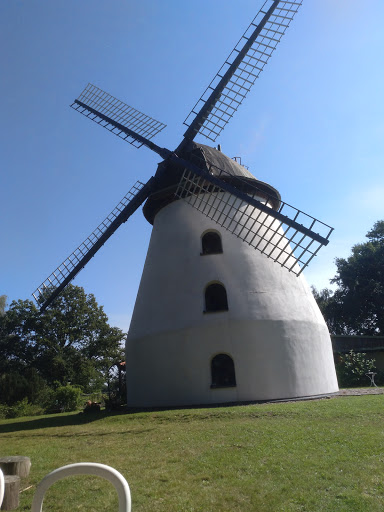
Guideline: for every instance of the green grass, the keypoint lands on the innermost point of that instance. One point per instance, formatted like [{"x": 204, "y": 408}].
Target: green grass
[{"x": 318, "y": 456}]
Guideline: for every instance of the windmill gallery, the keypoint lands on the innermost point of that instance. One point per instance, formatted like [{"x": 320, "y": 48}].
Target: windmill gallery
[{"x": 223, "y": 312}]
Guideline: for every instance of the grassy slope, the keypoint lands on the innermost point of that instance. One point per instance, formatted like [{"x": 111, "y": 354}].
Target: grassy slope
[{"x": 305, "y": 456}]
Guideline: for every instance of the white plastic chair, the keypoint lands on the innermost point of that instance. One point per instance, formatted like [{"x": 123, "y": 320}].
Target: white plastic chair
[
  {"x": 2, "y": 486},
  {"x": 84, "y": 468}
]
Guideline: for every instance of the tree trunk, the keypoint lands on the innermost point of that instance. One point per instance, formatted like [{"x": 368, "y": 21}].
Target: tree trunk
[
  {"x": 11, "y": 492},
  {"x": 15, "y": 465}
]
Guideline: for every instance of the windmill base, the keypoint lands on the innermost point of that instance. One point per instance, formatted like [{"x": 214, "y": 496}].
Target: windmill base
[{"x": 269, "y": 365}]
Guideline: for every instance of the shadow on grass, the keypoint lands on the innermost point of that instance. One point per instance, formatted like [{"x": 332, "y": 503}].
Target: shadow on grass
[
  {"x": 63, "y": 420},
  {"x": 56, "y": 420}
]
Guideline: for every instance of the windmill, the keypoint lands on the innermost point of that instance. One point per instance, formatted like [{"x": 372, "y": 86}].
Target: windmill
[{"x": 223, "y": 312}]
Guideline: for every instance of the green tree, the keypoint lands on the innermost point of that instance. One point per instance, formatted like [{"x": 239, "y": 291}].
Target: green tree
[
  {"x": 357, "y": 305},
  {"x": 352, "y": 369},
  {"x": 28, "y": 384},
  {"x": 71, "y": 342},
  {"x": 3, "y": 303},
  {"x": 330, "y": 307},
  {"x": 18, "y": 336}
]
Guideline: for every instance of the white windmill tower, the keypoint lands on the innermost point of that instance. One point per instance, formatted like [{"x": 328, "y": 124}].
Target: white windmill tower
[{"x": 215, "y": 320}]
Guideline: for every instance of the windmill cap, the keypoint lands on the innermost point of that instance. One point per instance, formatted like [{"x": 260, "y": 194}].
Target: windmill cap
[{"x": 219, "y": 165}]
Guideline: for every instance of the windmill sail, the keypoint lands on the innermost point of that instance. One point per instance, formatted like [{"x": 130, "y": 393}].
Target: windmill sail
[
  {"x": 63, "y": 275},
  {"x": 119, "y": 118},
  {"x": 287, "y": 235},
  {"x": 241, "y": 69},
  {"x": 280, "y": 231}
]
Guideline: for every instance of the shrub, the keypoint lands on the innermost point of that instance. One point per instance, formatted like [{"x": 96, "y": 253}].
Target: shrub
[
  {"x": 352, "y": 368},
  {"x": 67, "y": 398},
  {"x": 3, "y": 411},
  {"x": 22, "y": 408}
]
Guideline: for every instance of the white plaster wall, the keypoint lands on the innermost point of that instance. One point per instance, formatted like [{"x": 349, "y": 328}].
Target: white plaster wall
[{"x": 273, "y": 329}]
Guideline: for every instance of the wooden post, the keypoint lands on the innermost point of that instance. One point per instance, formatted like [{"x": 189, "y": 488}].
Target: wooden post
[
  {"x": 11, "y": 492},
  {"x": 15, "y": 465}
]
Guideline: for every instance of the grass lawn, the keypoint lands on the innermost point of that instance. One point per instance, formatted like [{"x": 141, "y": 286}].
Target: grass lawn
[{"x": 325, "y": 455}]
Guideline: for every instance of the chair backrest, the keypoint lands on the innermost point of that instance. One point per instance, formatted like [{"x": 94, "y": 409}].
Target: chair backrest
[
  {"x": 2, "y": 485},
  {"x": 84, "y": 468}
]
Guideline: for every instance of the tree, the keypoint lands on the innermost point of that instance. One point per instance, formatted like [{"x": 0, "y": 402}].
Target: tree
[
  {"x": 18, "y": 336},
  {"x": 3, "y": 303},
  {"x": 357, "y": 305},
  {"x": 352, "y": 369},
  {"x": 330, "y": 307},
  {"x": 71, "y": 342},
  {"x": 15, "y": 386}
]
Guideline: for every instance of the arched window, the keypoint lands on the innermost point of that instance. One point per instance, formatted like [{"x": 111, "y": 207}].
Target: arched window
[
  {"x": 215, "y": 298},
  {"x": 211, "y": 243},
  {"x": 223, "y": 371}
]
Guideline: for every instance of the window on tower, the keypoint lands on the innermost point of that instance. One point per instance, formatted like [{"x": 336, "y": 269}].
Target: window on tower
[
  {"x": 211, "y": 243},
  {"x": 223, "y": 371},
  {"x": 215, "y": 298}
]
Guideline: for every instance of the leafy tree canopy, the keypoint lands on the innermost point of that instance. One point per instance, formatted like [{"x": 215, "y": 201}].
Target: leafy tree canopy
[
  {"x": 70, "y": 342},
  {"x": 357, "y": 305},
  {"x": 3, "y": 302}
]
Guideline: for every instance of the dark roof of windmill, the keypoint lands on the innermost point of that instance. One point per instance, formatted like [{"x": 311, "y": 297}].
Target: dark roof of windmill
[
  {"x": 218, "y": 164},
  {"x": 221, "y": 161}
]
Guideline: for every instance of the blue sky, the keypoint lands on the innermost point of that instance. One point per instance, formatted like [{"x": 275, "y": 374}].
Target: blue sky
[{"x": 313, "y": 125}]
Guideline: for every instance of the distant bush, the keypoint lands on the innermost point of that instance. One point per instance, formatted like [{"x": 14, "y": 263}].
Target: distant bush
[
  {"x": 19, "y": 409},
  {"x": 352, "y": 369},
  {"x": 61, "y": 399},
  {"x": 3, "y": 411},
  {"x": 66, "y": 398}
]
